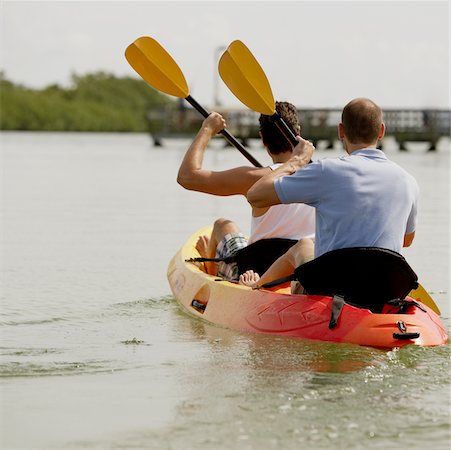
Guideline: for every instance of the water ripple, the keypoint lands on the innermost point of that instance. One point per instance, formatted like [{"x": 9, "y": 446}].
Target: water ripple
[
  {"x": 30, "y": 369},
  {"x": 33, "y": 321},
  {"x": 5, "y": 351}
]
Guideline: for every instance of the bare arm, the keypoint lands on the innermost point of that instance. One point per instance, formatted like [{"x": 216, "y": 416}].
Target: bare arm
[
  {"x": 194, "y": 177},
  {"x": 408, "y": 239},
  {"x": 263, "y": 194},
  {"x": 190, "y": 170}
]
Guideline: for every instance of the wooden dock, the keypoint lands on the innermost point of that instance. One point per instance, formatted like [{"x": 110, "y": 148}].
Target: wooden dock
[{"x": 404, "y": 125}]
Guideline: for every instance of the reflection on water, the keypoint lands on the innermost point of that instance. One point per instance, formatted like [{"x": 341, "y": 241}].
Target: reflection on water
[
  {"x": 254, "y": 391},
  {"x": 280, "y": 354},
  {"x": 95, "y": 353}
]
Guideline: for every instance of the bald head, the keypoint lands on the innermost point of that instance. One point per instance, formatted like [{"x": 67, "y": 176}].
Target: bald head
[{"x": 362, "y": 121}]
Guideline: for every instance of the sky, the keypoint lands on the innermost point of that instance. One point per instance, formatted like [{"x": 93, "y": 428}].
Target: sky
[{"x": 314, "y": 53}]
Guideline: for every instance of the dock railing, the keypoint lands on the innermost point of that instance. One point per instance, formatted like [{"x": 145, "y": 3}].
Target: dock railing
[{"x": 404, "y": 125}]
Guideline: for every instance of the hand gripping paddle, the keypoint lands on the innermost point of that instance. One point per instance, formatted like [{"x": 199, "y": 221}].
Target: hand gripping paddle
[{"x": 154, "y": 64}]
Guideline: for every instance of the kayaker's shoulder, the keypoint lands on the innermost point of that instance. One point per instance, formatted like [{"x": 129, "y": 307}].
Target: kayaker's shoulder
[
  {"x": 251, "y": 172},
  {"x": 237, "y": 180}
]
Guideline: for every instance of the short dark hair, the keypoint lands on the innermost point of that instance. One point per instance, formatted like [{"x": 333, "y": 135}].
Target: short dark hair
[
  {"x": 272, "y": 137},
  {"x": 361, "y": 119}
]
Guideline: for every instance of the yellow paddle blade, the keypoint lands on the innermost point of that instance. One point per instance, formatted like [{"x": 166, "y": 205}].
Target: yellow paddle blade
[
  {"x": 244, "y": 76},
  {"x": 423, "y": 296},
  {"x": 156, "y": 66}
]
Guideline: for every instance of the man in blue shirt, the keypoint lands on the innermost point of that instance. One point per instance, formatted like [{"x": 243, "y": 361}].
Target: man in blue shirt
[{"x": 361, "y": 199}]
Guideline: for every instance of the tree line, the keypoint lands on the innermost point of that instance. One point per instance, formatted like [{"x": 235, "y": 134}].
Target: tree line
[{"x": 94, "y": 102}]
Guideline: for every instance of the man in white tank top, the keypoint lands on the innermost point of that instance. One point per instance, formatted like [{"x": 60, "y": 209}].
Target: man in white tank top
[{"x": 294, "y": 221}]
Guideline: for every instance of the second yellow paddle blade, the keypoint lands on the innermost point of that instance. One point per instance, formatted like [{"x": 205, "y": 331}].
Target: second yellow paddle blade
[
  {"x": 244, "y": 76},
  {"x": 156, "y": 66},
  {"x": 423, "y": 296}
]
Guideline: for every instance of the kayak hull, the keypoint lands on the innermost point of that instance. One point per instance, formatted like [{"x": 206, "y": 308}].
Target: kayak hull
[{"x": 280, "y": 313}]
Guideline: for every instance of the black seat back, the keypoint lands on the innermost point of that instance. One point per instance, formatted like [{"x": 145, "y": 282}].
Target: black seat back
[
  {"x": 259, "y": 255},
  {"x": 365, "y": 276}
]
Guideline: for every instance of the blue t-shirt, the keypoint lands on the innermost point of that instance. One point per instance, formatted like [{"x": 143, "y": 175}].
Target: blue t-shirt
[{"x": 361, "y": 200}]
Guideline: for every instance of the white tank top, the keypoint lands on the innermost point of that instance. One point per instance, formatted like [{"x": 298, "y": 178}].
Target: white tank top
[{"x": 291, "y": 221}]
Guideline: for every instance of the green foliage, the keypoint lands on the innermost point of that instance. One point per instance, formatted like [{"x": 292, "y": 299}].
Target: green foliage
[{"x": 95, "y": 102}]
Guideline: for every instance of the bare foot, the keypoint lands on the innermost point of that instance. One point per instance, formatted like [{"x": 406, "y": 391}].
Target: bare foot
[
  {"x": 249, "y": 278},
  {"x": 202, "y": 246}
]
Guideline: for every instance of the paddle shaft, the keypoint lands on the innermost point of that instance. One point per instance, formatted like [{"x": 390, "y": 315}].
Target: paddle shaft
[
  {"x": 286, "y": 131},
  {"x": 230, "y": 138},
  {"x": 283, "y": 127}
]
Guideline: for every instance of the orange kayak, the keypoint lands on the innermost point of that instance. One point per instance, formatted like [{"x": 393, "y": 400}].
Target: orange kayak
[{"x": 279, "y": 312}]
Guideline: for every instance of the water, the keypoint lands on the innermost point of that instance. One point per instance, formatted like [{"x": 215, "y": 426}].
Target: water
[{"x": 95, "y": 352}]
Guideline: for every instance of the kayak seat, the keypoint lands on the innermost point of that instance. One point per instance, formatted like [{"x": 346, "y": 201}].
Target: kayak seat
[
  {"x": 257, "y": 256},
  {"x": 366, "y": 277},
  {"x": 260, "y": 255}
]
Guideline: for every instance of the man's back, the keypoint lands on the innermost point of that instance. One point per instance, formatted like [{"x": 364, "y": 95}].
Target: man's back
[{"x": 361, "y": 200}]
